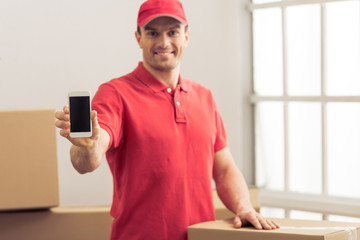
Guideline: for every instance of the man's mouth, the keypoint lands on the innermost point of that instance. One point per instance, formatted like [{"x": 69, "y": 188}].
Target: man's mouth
[{"x": 164, "y": 53}]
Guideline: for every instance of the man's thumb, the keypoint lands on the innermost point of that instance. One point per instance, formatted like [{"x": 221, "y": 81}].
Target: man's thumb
[{"x": 237, "y": 222}]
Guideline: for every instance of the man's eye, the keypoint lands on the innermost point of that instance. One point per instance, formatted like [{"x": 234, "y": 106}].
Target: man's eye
[
  {"x": 152, "y": 34},
  {"x": 172, "y": 33}
]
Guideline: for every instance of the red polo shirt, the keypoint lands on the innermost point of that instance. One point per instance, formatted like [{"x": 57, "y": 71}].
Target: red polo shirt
[{"x": 161, "y": 154}]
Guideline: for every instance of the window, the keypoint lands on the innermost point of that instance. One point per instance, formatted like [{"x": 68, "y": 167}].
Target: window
[{"x": 306, "y": 101}]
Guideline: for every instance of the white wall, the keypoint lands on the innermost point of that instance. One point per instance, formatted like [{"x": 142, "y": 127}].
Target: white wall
[{"x": 49, "y": 47}]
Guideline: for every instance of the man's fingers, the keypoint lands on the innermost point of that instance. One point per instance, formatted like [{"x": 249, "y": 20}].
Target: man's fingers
[
  {"x": 255, "y": 221},
  {"x": 94, "y": 121},
  {"x": 65, "y": 133},
  {"x": 66, "y": 109},
  {"x": 62, "y": 124},
  {"x": 62, "y": 116},
  {"x": 267, "y": 224},
  {"x": 63, "y": 121},
  {"x": 264, "y": 223},
  {"x": 59, "y": 115},
  {"x": 93, "y": 115},
  {"x": 95, "y": 125},
  {"x": 237, "y": 222},
  {"x": 274, "y": 224}
]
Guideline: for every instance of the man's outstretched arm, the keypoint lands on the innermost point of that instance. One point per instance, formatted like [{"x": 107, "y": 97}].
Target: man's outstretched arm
[{"x": 85, "y": 153}]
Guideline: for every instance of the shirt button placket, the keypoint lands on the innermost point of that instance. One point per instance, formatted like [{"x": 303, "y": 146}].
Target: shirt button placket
[{"x": 179, "y": 110}]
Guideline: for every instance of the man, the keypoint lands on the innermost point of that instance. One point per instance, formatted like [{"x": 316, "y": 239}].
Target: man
[{"x": 164, "y": 139}]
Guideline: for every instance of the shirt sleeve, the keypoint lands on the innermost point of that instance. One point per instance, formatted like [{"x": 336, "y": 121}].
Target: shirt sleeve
[
  {"x": 108, "y": 105},
  {"x": 221, "y": 140}
]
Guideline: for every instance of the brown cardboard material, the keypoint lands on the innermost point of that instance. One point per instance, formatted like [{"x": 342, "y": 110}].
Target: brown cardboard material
[
  {"x": 28, "y": 160},
  {"x": 221, "y": 212},
  {"x": 61, "y": 223},
  {"x": 290, "y": 229}
]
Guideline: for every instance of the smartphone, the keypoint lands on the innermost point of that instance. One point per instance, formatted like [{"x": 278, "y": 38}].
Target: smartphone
[{"x": 80, "y": 121}]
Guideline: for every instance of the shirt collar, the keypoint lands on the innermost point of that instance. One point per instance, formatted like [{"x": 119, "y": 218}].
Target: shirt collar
[{"x": 153, "y": 83}]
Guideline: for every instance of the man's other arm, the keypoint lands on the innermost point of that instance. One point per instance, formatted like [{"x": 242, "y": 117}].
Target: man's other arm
[{"x": 233, "y": 191}]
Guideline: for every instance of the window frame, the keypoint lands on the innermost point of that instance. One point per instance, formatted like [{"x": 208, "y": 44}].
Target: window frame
[{"x": 288, "y": 200}]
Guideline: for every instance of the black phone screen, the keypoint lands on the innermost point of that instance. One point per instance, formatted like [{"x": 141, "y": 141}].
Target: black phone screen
[{"x": 80, "y": 114}]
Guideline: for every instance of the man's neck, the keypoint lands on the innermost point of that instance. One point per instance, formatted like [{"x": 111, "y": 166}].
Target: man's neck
[{"x": 169, "y": 78}]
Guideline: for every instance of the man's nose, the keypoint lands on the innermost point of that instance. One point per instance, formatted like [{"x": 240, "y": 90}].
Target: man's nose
[{"x": 164, "y": 41}]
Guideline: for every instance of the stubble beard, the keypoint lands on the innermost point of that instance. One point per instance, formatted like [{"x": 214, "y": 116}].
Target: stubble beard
[{"x": 163, "y": 65}]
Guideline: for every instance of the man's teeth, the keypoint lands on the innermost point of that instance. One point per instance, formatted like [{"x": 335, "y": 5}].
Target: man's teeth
[{"x": 163, "y": 53}]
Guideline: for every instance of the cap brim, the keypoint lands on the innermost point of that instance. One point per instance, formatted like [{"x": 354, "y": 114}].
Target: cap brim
[{"x": 155, "y": 16}]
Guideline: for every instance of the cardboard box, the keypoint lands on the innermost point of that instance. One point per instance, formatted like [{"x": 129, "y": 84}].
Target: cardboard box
[
  {"x": 290, "y": 229},
  {"x": 28, "y": 160},
  {"x": 221, "y": 212},
  {"x": 72, "y": 223}
]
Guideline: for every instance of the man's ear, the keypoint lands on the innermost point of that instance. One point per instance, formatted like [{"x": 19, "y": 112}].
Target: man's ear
[
  {"x": 187, "y": 37},
  {"x": 138, "y": 38}
]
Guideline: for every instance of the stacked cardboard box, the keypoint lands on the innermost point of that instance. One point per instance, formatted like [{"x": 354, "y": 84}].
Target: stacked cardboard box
[
  {"x": 28, "y": 160},
  {"x": 290, "y": 229},
  {"x": 29, "y": 192},
  {"x": 61, "y": 223}
]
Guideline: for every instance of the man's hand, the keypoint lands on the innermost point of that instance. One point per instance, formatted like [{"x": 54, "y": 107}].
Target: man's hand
[
  {"x": 255, "y": 219},
  {"x": 86, "y": 153},
  {"x": 63, "y": 122}
]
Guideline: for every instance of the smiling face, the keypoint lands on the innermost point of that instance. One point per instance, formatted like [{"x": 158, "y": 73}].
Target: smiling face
[{"x": 163, "y": 41}]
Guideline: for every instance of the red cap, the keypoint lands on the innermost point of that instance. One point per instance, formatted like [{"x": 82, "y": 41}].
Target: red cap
[{"x": 152, "y": 9}]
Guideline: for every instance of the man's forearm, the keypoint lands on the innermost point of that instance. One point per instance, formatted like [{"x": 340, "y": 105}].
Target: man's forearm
[
  {"x": 85, "y": 159},
  {"x": 233, "y": 191}
]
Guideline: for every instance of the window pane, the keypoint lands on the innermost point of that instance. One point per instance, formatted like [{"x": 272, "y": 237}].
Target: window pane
[
  {"x": 268, "y": 63},
  {"x": 344, "y": 149},
  {"x": 343, "y": 33},
  {"x": 305, "y": 215},
  {"x": 303, "y": 35},
  {"x": 305, "y": 147},
  {"x": 270, "y": 145},
  {"x": 343, "y": 218},
  {"x": 272, "y": 212}
]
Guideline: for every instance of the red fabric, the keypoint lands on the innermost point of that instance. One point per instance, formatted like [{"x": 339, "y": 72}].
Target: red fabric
[
  {"x": 151, "y": 9},
  {"x": 161, "y": 154}
]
